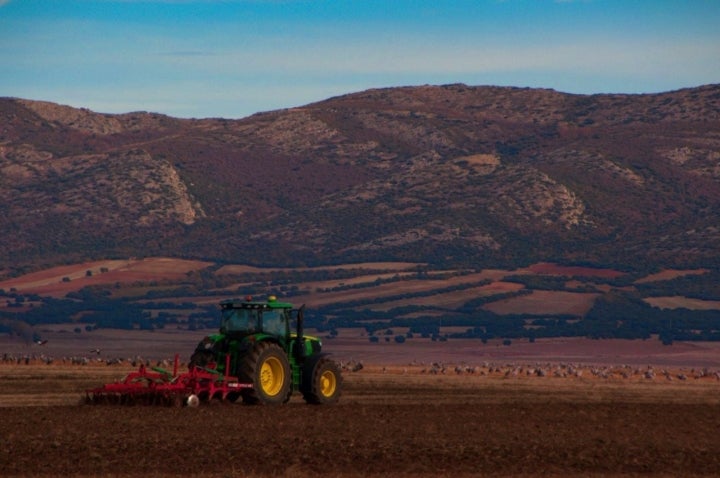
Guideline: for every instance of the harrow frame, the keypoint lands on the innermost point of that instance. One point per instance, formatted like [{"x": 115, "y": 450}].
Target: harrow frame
[{"x": 158, "y": 386}]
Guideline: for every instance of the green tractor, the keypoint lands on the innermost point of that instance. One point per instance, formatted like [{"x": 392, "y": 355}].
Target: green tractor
[{"x": 256, "y": 345}]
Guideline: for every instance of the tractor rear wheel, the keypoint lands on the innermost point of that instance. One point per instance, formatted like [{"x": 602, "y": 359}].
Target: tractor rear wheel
[
  {"x": 268, "y": 369},
  {"x": 322, "y": 382}
]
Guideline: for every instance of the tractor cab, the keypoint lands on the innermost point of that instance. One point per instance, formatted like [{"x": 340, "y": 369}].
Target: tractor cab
[{"x": 243, "y": 318}]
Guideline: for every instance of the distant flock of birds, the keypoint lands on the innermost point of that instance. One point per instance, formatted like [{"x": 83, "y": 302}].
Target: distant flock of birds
[
  {"x": 557, "y": 370},
  {"x": 84, "y": 359}
]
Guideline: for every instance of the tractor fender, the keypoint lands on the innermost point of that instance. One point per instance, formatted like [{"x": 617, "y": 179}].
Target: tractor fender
[
  {"x": 260, "y": 337},
  {"x": 247, "y": 344}
]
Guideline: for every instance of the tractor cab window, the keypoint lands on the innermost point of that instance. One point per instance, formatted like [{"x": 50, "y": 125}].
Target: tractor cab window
[
  {"x": 274, "y": 322},
  {"x": 240, "y": 320}
]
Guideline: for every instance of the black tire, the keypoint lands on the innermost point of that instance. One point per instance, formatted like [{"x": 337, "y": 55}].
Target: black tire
[
  {"x": 203, "y": 354},
  {"x": 268, "y": 369},
  {"x": 322, "y": 382}
]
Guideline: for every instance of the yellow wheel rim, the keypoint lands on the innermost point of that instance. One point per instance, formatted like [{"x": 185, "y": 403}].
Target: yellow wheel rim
[
  {"x": 328, "y": 383},
  {"x": 272, "y": 376}
]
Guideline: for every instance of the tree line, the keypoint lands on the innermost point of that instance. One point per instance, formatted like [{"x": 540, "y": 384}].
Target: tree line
[{"x": 615, "y": 314}]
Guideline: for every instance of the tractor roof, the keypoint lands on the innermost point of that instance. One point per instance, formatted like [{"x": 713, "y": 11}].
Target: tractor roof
[{"x": 248, "y": 303}]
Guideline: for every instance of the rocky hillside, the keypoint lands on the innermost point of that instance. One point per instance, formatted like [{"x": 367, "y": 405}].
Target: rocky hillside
[{"x": 484, "y": 176}]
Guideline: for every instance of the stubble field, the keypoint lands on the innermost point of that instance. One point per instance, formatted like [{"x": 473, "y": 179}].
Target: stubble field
[{"x": 390, "y": 421}]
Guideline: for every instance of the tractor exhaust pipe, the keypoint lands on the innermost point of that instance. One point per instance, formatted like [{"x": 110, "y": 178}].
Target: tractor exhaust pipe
[{"x": 300, "y": 343}]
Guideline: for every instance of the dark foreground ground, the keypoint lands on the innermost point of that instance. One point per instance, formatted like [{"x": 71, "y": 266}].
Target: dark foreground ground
[{"x": 385, "y": 425}]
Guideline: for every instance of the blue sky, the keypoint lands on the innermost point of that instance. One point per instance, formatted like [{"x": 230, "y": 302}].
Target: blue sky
[{"x": 232, "y": 58}]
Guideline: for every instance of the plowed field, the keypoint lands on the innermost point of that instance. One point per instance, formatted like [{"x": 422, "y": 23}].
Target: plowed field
[{"x": 386, "y": 424}]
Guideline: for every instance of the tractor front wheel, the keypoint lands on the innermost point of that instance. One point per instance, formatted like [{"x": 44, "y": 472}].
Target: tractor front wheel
[
  {"x": 268, "y": 369},
  {"x": 322, "y": 382}
]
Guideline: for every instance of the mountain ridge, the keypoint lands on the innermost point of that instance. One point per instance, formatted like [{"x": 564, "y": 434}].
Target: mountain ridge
[{"x": 446, "y": 174}]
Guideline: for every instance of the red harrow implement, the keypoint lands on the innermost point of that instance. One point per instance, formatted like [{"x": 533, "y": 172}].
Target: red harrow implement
[{"x": 158, "y": 386}]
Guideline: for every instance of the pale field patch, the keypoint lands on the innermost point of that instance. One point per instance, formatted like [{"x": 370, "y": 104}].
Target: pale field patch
[
  {"x": 555, "y": 269},
  {"x": 545, "y": 302},
  {"x": 680, "y": 302},
  {"x": 58, "y": 281},
  {"x": 453, "y": 299},
  {"x": 670, "y": 274},
  {"x": 312, "y": 286},
  {"x": 392, "y": 266},
  {"x": 316, "y": 299}
]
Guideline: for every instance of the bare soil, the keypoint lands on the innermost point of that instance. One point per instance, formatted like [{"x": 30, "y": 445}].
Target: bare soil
[
  {"x": 386, "y": 424},
  {"x": 406, "y": 413}
]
